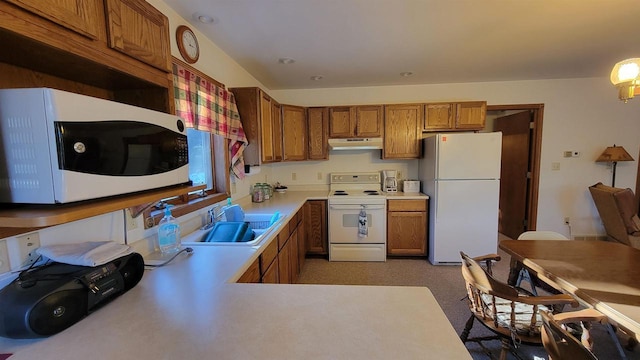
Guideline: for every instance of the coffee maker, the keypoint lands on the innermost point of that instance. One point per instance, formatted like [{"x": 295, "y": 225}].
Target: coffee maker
[{"x": 390, "y": 183}]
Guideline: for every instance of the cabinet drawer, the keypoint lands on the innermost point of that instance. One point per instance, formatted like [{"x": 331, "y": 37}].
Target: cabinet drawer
[
  {"x": 407, "y": 205},
  {"x": 268, "y": 255}
]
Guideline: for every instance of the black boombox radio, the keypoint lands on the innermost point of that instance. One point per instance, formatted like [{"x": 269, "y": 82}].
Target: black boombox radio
[{"x": 48, "y": 299}]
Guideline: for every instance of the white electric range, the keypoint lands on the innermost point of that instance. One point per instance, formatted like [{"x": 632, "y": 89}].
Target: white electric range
[{"x": 357, "y": 217}]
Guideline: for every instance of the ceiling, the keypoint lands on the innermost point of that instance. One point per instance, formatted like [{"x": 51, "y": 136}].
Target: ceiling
[{"x": 371, "y": 42}]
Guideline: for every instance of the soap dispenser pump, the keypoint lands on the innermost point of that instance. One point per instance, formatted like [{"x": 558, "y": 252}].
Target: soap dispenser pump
[{"x": 168, "y": 233}]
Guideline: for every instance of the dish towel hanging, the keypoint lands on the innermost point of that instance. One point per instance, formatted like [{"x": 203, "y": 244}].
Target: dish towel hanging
[{"x": 363, "y": 230}]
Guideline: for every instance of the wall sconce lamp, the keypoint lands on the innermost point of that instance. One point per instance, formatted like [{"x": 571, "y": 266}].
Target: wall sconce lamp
[
  {"x": 626, "y": 77},
  {"x": 613, "y": 154}
]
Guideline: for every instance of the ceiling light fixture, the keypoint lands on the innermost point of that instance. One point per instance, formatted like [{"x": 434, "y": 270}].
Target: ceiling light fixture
[
  {"x": 286, "y": 61},
  {"x": 203, "y": 18},
  {"x": 406, "y": 73},
  {"x": 626, "y": 77},
  {"x": 317, "y": 77}
]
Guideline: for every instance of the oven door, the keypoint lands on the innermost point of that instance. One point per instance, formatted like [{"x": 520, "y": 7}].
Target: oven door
[
  {"x": 345, "y": 242},
  {"x": 343, "y": 223}
]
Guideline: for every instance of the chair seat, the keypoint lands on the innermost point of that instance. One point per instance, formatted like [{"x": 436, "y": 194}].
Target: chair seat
[{"x": 523, "y": 314}]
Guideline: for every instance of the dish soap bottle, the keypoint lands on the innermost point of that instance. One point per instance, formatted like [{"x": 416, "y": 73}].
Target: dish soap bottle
[{"x": 168, "y": 233}]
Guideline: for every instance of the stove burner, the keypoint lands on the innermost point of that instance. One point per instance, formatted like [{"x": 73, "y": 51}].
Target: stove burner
[
  {"x": 340, "y": 193},
  {"x": 371, "y": 192}
]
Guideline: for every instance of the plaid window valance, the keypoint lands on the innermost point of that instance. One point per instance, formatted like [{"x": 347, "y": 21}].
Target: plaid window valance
[{"x": 206, "y": 106}]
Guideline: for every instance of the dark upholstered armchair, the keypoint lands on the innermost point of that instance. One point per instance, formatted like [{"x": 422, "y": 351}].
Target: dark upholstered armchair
[{"x": 618, "y": 211}]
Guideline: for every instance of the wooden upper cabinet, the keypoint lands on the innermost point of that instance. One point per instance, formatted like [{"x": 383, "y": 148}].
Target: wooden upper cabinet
[
  {"x": 294, "y": 130},
  {"x": 266, "y": 128},
  {"x": 471, "y": 115},
  {"x": 139, "y": 30},
  {"x": 402, "y": 131},
  {"x": 341, "y": 122},
  {"x": 355, "y": 121},
  {"x": 369, "y": 121},
  {"x": 318, "y": 126},
  {"x": 468, "y": 115},
  {"x": 81, "y": 16},
  {"x": 438, "y": 116},
  {"x": 276, "y": 120},
  {"x": 261, "y": 121}
]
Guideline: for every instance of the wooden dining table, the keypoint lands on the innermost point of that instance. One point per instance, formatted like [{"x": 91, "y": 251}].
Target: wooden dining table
[{"x": 600, "y": 274}]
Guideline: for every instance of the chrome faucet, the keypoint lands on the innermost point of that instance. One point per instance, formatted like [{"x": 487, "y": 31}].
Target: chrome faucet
[{"x": 214, "y": 215}]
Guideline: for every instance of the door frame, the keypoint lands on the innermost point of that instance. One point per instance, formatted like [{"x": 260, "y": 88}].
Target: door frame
[{"x": 537, "y": 111}]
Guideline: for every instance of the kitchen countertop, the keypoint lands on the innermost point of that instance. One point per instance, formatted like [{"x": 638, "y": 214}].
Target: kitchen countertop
[{"x": 191, "y": 309}]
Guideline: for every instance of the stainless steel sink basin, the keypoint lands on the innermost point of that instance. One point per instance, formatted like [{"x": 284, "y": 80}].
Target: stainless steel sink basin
[{"x": 260, "y": 224}]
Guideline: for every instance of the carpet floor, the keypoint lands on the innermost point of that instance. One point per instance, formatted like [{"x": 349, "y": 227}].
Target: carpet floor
[{"x": 447, "y": 286}]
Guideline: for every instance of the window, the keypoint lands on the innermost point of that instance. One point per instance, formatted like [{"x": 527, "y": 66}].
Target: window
[{"x": 200, "y": 164}]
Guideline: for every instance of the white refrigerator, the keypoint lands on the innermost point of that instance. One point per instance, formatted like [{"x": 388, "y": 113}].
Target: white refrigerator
[{"x": 461, "y": 174}]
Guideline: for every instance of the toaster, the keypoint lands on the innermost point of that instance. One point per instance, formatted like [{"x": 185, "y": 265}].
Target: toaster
[{"x": 411, "y": 186}]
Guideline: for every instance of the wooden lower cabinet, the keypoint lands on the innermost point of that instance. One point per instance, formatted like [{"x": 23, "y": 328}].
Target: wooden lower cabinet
[
  {"x": 315, "y": 223},
  {"x": 252, "y": 275},
  {"x": 270, "y": 275},
  {"x": 282, "y": 260},
  {"x": 407, "y": 227},
  {"x": 284, "y": 264}
]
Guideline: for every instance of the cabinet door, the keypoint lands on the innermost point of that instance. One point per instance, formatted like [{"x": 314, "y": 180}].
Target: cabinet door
[
  {"x": 252, "y": 275},
  {"x": 406, "y": 233},
  {"x": 471, "y": 115},
  {"x": 438, "y": 116},
  {"x": 341, "y": 122},
  {"x": 266, "y": 129},
  {"x": 368, "y": 121},
  {"x": 294, "y": 264},
  {"x": 318, "y": 125},
  {"x": 302, "y": 245},
  {"x": 315, "y": 217},
  {"x": 270, "y": 275},
  {"x": 284, "y": 267},
  {"x": 276, "y": 118},
  {"x": 81, "y": 16},
  {"x": 139, "y": 30},
  {"x": 402, "y": 132},
  {"x": 294, "y": 127}
]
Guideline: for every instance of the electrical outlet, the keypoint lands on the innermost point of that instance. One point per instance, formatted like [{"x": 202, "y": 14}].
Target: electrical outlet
[
  {"x": 4, "y": 258},
  {"x": 294, "y": 176},
  {"x": 28, "y": 244},
  {"x": 132, "y": 223},
  {"x": 319, "y": 176},
  {"x": 567, "y": 220}
]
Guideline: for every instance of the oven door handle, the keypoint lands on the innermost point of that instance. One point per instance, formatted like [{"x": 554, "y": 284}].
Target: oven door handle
[{"x": 356, "y": 207}]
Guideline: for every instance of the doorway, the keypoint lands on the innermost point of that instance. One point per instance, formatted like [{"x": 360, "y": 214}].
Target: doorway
[{"x": 521, "y": 127}]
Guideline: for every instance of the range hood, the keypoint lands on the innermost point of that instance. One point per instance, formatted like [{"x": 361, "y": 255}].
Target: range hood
[{"x": 356, "y": 144}]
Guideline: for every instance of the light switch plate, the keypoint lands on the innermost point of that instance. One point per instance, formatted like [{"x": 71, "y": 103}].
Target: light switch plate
[{"x": 4, "y": 258}]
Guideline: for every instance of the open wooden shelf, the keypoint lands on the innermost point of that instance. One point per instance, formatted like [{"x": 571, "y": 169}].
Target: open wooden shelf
[{"x": 38, "y": 216}]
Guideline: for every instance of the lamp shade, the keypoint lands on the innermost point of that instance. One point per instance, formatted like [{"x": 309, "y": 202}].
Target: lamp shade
[
  {"x": 614, "y": 154},
  {"x": 626, "y": 77}
]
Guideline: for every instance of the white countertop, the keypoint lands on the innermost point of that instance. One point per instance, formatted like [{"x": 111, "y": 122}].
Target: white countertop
[{"x": 188, "y": 309}]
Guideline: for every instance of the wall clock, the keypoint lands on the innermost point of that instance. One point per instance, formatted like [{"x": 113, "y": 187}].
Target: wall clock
[{"x": 187, "y": 44}]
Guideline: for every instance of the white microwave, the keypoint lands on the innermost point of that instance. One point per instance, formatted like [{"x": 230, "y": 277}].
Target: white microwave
[{"x": 61, "y": 147}]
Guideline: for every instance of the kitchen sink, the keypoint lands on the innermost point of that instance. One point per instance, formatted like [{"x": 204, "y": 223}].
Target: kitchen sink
[{"x": 260, "y": 224}]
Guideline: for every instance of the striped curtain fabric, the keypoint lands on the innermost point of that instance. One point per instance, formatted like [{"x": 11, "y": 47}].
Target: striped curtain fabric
[{"x": 206, "y": 106}]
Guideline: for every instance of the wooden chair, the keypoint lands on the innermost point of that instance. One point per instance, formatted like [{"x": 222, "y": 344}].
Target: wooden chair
[
  {"x": 522, "y": 272},
  {"x": 559, "y": 343},
  {"x": 510, "y": 313}
]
